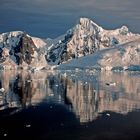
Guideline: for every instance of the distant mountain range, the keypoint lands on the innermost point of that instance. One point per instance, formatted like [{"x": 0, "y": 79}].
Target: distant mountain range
[{"x": 86, "y": 45}]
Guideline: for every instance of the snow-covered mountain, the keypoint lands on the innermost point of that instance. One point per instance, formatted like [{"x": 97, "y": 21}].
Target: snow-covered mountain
[
  {"x": 102, "y": 48},
  {"x": 84, "y": 45},
  {"x": 19, "y": 50}
]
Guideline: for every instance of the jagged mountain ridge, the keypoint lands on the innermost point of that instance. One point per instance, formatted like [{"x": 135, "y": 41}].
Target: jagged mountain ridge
[
  {"x": 84, "y": 39},
  {"x": 19, "y": 50}
]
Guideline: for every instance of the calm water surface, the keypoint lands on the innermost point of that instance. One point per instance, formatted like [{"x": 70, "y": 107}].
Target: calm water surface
[{"x": 72, "y": 105}]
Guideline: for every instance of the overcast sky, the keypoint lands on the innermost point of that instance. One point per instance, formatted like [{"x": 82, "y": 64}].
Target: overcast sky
[{"x": 51, "y": 18}]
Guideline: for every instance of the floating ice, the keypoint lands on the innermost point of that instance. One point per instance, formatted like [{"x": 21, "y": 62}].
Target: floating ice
[
  {"x": 28, "y": 125},
  {"x": 2, "y": 90},
  {"x": 108, "y": 115}
]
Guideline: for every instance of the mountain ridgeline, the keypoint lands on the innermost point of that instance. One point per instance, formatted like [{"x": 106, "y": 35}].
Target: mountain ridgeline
[{"x": 86, "y": 38}]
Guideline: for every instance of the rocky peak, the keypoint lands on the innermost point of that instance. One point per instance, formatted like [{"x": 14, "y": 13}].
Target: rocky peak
[
  {"x": 88, "y": 24},
  {"x": 17, "y": 49},
  {"x": 84, "y": 38},
  {"x": 124, "y": 30}
]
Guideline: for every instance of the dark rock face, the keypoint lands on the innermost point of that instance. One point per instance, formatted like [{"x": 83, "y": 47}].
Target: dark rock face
[
  {"x": 58, "y": 53},
  {"x": 27, "y": 49},
  {"x": 24, "y": 50}
]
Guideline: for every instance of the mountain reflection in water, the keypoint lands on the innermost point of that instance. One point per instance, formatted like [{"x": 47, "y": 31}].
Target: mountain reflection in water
[
  {"x": 78, "y": 105},
  {"x": 87, "y": 99}
]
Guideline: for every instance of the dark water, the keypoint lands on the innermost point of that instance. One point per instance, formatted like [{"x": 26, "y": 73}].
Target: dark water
[{"x": 69, "y": 105}]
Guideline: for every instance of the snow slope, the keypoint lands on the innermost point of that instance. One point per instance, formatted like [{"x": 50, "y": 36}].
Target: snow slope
[{"x": 122, "y": 57}]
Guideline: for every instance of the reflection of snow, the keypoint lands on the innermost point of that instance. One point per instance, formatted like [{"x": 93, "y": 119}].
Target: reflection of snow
[
  {"x": 94, "y": 98},
  {"x": 86, "y": 93},
  {"x": 24, "y": 89},
  {"x": 21, "y": 90}
]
